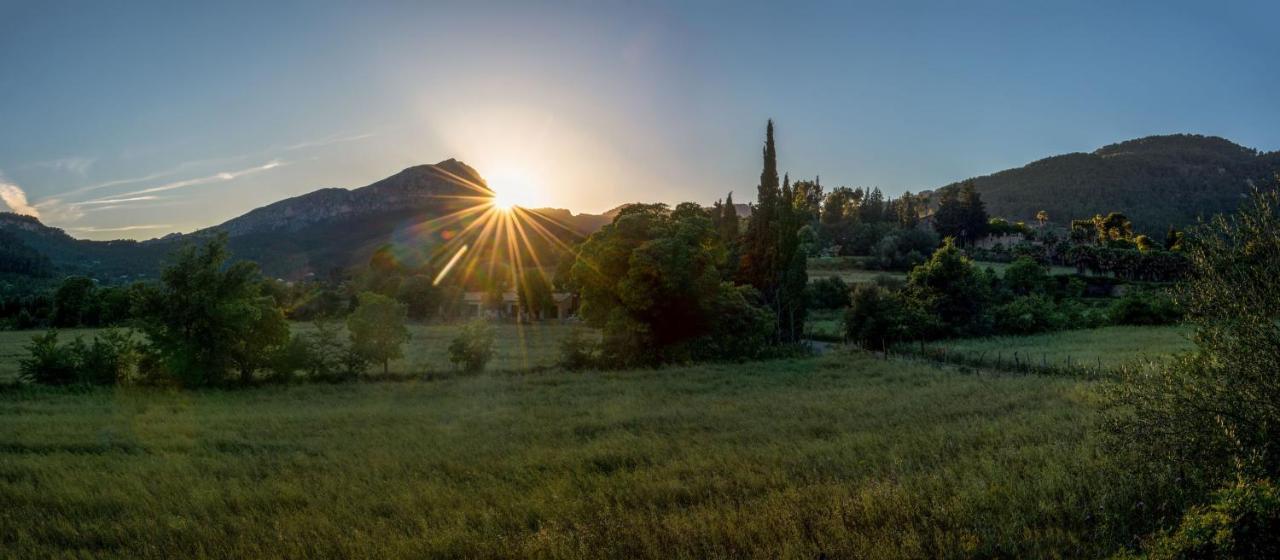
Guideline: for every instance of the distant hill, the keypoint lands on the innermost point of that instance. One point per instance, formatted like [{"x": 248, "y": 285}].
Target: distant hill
[
  {"x": 1156, "y": 181},
  {"x": 308, "y": 235}
]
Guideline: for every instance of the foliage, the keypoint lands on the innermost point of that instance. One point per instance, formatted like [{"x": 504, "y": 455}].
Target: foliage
[
  {"x": 420, "y": 296},
  {"x": 202, "y": 319},
  {"x": 961, "y": 214},
  {"x": 377, "y": 328},
  {"x": 773, "y": 260},
  {"x": 472, "y": 349},
  {"x": 744, "y": 329},
  {"x": 108, "y": 359},
  {"x": 1214, "y": 415},
  {"x": 829, "y": 293},
  {"x": 877, "y": 318},
  {"x": 1242, "y": 521},
  {"x": 1026, "y": 276},
  {"x": 951, "y": 289},
  {"x": 1145, "y": 307},
  {"x": 1028, "y": 314},
  {"x": 650, "y": 280},
  {"x": 578, "y": 351}
]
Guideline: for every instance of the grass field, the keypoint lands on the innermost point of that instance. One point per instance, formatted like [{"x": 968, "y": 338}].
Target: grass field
[
  {"x": 516, "y": 347},
  {"x": 1107, "y": 347},
  {"x": 841, "y": 455}
]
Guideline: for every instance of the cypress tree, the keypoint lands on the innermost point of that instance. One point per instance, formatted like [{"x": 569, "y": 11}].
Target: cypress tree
[
  {"x": 759, "y": 259},
  {"x": 728, "y": 228}
]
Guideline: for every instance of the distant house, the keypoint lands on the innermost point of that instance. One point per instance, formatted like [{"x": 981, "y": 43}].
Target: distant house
[{"x": 481, "y": 305}]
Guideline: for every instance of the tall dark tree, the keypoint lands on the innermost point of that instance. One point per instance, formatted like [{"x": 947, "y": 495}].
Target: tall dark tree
[
  {"x": 760, "y": 242},
  {"x": 790, "y": 302},
  {"x": 728, "y": 226},
  {"x": 949, "y": 220},
  {"x": 975, "y": 212}
]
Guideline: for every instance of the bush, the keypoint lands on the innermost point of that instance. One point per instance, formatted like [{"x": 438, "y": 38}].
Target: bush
[
  {"x": 1243, "y": 521},
  {"x": 1026, "y": 276},
  {"x": 829, "y": 293},
  {"x": 1028, "y": 315},
  {"x": 472, "y": 349},
  {"x": 107, "y": 360},
  {"x": 579, "y": 350},
  {"x": 743, "y": 328},
  {"x": 877, "y": 319},
  {"x": 1211, "y": 416},
  {"x": 1145, "y": 308}
]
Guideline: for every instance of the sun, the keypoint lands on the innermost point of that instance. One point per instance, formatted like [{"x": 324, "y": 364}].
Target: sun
[{"x": 512, "y": 187}]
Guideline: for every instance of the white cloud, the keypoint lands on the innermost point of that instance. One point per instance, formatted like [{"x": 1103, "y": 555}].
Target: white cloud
[
  {"x": 121, "y": 228},
  {"x": 75, "y": 164},
  {"x": 16, "y": 198},
  {"x": 216, "y": 177}
]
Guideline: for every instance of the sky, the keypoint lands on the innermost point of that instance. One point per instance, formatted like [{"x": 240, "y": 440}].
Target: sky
[{"x": 136, "y": 119}]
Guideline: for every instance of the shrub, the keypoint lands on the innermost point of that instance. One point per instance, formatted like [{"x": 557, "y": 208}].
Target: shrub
[
  {"x": 578, "y": 350},
  {"x": 108, "y": 359},
  {"x": 472, "y": 349},
  {"x": 1211, "y": 416},
  {"x": 829, "y": 293},
  {"x": 1138, "y": 307},
  {"x": 1026, "y": 276},
  {"x": 1028, "y": 315},
  {"x": 743, "y": 328},
  {"x": 1242, "y": 521},
  {"x": 47, "y": 362},
  {"x": 877, "y": 319}
]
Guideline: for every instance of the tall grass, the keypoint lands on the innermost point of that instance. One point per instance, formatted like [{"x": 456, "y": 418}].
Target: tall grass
[{"x": 842, "y": 455}]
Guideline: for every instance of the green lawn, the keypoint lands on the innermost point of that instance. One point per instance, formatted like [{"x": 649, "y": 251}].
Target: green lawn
[
  {"x": 841, "y": 456},
  {"x": 516, "y": 347},
  {"x": 1107, "y": 346}
]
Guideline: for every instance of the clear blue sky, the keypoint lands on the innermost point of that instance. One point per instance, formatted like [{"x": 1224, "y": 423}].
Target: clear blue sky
[{"x": 129, "y": 119}]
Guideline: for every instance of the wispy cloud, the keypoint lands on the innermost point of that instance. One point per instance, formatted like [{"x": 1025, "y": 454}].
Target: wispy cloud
[
  {"x": 74, "y": 164},
  {"x": 327, "y": 141},
  {"x": 120, "y": 200},
  {"x": 16, "y": 198},
  {"x": 121, "y": 228},
  {"x": 215, "y": 178}
]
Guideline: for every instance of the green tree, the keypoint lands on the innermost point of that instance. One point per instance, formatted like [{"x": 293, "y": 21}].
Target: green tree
[
  {"x": 1214, "y": 414},
  {"x": 377, "y": 328},
  {"x": 72, "y": 301},
  {"x": 197, "y": 319},
  {"x": 266, "y": 331},
  {"x": 420, "y": 296},
  {"x": 951, "y": 289},
  {"x": 760, "y": 252},
  {"x": 650, "y": 280}
]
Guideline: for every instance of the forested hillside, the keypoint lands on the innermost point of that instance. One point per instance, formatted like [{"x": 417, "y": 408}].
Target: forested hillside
[{"x": 1156, "y": 181}]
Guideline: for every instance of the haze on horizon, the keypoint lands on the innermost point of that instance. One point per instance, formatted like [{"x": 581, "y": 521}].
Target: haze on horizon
[{"x": 151, "y": 118}]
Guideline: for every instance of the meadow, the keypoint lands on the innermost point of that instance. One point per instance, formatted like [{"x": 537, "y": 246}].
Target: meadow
[
  {"x": 841, "y": 455},
  {"x": 1106, "y": 347}
]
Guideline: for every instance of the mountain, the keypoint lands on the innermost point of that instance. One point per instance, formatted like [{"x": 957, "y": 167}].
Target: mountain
[
  {"x": 308, "y": 235},
  {"x": 1156, "y": 181},
  {"x": 51, "y": 251}
]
